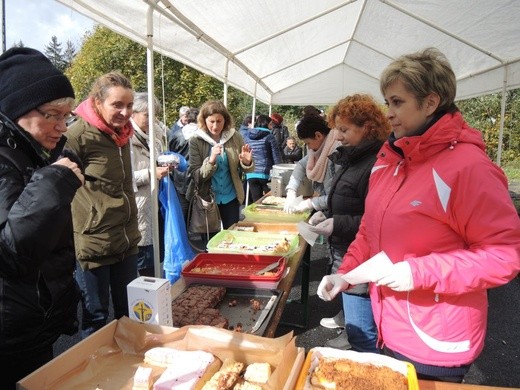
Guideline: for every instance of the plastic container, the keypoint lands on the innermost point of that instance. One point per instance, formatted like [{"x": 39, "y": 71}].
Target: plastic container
[
  {"x": 269, "y": 244},
  {"x": 263, "y": 213},
  {"x": 234, "y": 270}
]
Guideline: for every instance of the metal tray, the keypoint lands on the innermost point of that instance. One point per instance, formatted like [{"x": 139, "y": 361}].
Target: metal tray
[{"x": 243, "y": 312}]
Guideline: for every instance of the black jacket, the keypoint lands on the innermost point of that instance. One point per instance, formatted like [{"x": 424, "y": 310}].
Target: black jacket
[
  {"x": 38, "y": 293},
  {"x": 346, "y": 200}
]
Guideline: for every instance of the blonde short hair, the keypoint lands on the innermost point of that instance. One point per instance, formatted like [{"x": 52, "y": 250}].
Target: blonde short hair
[{"x": 422, "y": 73}]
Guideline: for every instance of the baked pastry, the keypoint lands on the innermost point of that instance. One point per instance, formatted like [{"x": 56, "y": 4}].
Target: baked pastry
[
  {"x": 258, "y": 372},
  {"x": 226, "y": 377},
  {"x": 184, "y": 369},
  {"x": 245, "y": 385},
  {"x": 142, "y": 378},
  {"x": 193, "y": 304},
  {"x": 346, "y": 374}
]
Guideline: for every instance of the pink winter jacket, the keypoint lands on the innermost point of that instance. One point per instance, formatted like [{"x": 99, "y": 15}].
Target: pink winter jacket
[{"x": 445, "y": 208}]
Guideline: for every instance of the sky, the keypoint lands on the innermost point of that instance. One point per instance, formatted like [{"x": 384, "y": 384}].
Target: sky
[{"x": 34, "y": 22}]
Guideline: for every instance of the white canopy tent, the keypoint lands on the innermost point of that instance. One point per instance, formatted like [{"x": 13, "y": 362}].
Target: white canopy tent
[{"x": 299, "y": 52}]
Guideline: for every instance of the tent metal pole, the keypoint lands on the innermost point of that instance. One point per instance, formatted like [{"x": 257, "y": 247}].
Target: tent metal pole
[
  {"x": 226, "y": 83},
  {"x": 151, "y": 136},
  {"x": 502, "y": 118},
  {"x": 253, "y": 113}
]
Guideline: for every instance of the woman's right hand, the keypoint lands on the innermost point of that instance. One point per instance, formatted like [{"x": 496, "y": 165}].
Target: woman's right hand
[
  {"x": 216, "y": 150},
  {"x": 66, "y": 162}
]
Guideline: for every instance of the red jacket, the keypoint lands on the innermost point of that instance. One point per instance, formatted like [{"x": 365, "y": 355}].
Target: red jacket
[{"x": 445, "y": 208}]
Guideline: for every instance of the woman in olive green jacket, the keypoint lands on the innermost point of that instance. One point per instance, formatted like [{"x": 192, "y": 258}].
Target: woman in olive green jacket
[
  {"x": 104, "y": 211},
  {"x": 218, "y": 157}
]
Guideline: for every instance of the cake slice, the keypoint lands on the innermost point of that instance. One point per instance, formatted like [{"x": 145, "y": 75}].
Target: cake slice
[
  {"x": 185, "y": 370},
  {"x": 226, "y": 377},
  {"x": 258, "y": 372},
  {"x": 142, "y": 378}
]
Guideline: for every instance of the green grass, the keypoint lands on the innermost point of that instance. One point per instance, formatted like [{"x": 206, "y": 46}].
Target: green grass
[{"x": 512, "y": 170}]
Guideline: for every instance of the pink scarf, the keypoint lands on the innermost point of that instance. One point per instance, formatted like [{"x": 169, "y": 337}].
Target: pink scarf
[
  {"x": 87, "y": 112},
  {"x": 317, "y": 162}
]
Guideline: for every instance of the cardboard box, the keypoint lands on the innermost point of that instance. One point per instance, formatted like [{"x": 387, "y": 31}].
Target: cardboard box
[
  {"x": 73, "y": 361},
  {"x": 149, "y": 301}
]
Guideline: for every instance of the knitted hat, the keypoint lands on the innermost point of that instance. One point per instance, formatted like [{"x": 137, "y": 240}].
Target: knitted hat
[
  {"x": 276, "y": 118},
  {"x": 28, "y": 80}
]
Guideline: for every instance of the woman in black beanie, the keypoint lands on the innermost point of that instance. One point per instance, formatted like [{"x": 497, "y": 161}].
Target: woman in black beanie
[{"x": 38, "y": 293}]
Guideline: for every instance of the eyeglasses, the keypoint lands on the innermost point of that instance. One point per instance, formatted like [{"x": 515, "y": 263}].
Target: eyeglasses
[{"x": 54, "y": 117}]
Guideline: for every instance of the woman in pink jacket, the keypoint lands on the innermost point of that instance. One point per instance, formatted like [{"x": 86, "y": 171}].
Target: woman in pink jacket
[{"x": 441, "y": 211}]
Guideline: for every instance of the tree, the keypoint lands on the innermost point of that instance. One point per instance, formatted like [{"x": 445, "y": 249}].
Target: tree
[
  {"x": 483, "y": 113},
  {"x": 103, "y": 50},
  {"x": 53, "y": 53},
  {"x": 69, "y": 53},
  {"x": 18, "y": 44}
]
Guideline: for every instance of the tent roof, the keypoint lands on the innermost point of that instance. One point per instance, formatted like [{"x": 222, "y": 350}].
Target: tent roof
[{"x": 298, "y": 52}]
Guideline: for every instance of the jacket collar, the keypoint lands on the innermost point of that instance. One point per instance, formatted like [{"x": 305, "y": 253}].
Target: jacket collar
[
  {"x": 225, "y": 136},
  {"x": 350, "y": 154},
  {"x": 445, "y": 133}
]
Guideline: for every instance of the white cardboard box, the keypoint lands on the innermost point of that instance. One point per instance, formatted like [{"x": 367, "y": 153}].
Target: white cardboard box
[{"x": 150, "y": 301}]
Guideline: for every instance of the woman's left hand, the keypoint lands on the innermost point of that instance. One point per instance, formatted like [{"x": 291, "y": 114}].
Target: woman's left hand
[{"x": 247, "y": 155}]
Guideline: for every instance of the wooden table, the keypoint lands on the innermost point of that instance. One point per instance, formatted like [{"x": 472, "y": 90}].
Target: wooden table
[{"x": 301, "y": 258}]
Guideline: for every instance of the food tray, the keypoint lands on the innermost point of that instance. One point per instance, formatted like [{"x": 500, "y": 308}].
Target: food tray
[
  {"x": 272, "y": 213},
  {"x": 232, "y": 241},
  {"x": 264, "y": 227},
  {"x": 236, "y": 307},
  {"x": 234, "y": 270},
  {"x": 407, "y": 369}
]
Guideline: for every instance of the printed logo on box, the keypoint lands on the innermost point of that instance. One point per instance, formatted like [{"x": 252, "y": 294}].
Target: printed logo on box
[{"x": 142, "y": 310}]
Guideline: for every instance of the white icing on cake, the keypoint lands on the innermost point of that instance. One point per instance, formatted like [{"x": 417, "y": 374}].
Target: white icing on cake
[
  {"x": 184, "y": 368},
  {"x": 142, "y": 378}
]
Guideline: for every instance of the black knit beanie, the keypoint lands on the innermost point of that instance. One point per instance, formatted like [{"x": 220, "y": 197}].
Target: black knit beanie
[{"x": 28, "y": 80}]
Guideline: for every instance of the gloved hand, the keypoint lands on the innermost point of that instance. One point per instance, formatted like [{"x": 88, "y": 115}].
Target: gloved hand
[
  {"x": 399, "y": 279},
  {"x": 289, "y": 200},
  {"x": 330, "y": 286},
  {"x": 324, "y": 228},
  {"x": 304, "y": 205},
  {"x": 317, "y": 218}
]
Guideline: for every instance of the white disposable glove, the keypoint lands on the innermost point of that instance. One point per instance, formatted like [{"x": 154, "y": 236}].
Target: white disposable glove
[
  {"x": 289, "y": 201},
  {"x": 330, "y": 286},
  {"x": 317, "y": 218},
  {"x": 399, "y": 278},
  {"x": 324, "y": 228},
  {"x": 304, "y": 205}
]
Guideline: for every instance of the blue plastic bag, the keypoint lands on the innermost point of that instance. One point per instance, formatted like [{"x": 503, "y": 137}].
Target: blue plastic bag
[{"x": 177, "y": 248}]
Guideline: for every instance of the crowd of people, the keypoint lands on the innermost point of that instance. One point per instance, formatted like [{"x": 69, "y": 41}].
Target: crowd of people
[{"x": 410, "y": 183}]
